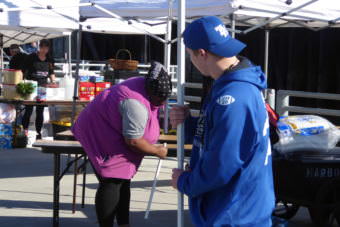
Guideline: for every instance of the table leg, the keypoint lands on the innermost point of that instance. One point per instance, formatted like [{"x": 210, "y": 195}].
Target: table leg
[
  {"x": 17, "y": 110},
  {"x": 84, "y": 182},
  {"x": 56, "y": 190},
  {"x": 75, "y": 185}
]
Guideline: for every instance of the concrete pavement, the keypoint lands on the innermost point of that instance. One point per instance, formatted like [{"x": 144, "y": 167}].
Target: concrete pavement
[{"x": 26, "y": 186}]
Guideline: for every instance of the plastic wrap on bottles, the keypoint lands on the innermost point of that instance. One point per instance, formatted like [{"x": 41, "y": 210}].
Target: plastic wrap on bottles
[
  {"x": 7, "y": 113},
  {"x": 306, "y": 133}
]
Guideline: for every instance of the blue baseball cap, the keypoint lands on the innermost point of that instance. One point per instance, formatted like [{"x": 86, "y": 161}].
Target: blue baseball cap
[{"x": 209, "y": 33}]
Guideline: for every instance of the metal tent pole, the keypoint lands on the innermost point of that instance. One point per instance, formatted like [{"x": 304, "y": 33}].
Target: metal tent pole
[
  {"x": 1, "y": 58},
  {"x": 75, "y": 91},
  {"x": 283, "y": 14},
  {"x": 167, "y": 60},
  {"x": 146, "y": 51},
  {"x": 180, "y": 100},
  {"x": 266, "y": 52},
  {"x": 232, "y": 18},
  {"x": 270, "y": 93},
  {"x": 70, "y": 53},
  {"x": 74, "y": 105}
]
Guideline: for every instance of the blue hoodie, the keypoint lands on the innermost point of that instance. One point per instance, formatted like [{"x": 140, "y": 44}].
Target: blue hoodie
[{"x": 231, "y": 183}]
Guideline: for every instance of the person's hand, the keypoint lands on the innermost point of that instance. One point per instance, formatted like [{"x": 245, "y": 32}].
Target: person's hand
[
  {"x": 52, "y": 85},
  {"x": 175, "y": 175},
  {"x": 178, "y": 114},
  {"x": 162, "y": 152}
]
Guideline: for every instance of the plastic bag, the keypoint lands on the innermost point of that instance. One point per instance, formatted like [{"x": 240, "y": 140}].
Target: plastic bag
[
  {"x": 306, "y": 133},
  {"x": 7, "y": 113}
]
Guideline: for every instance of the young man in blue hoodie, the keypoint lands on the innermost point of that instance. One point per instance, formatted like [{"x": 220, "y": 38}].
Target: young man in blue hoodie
[{"x": 230, "y": 182}]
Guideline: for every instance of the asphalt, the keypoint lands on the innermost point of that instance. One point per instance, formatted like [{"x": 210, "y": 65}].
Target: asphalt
[{"x": 26, "y": 186}]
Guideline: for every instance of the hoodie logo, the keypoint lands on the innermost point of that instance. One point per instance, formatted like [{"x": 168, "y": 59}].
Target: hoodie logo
[{"x": 225, "y": 100}]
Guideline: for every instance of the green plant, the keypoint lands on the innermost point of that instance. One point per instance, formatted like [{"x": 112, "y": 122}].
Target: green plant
[{"x": 25, "y": 89}]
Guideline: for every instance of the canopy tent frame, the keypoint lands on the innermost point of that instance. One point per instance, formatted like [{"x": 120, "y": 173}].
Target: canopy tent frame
[
  {"x": 180, "y": 101},
  {"x": 181, "y": 19},
  {"x": 121, "y": 18},
  {"x": 167, "y": 60}
]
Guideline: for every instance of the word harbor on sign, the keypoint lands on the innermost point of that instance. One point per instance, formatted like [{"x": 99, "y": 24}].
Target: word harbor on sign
[{"x": 322, "y": 172}]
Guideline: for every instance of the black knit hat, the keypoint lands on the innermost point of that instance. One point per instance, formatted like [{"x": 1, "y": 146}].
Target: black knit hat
[{"x": 158, "y": 81}]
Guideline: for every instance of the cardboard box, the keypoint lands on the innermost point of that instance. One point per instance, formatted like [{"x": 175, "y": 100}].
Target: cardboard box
[
  {"x": 10, "y": 92},
  {"x": 101, "y": 87},
  {"x": 86, "y": 91},
  {"x": 11, "y": 76}
]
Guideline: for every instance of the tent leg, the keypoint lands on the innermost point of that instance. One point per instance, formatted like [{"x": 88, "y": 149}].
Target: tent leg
[
  {"x": 2, "y": 66},
  {"x": 70, "y": 53},
  {"x": 266, "y": 52},
  {"x": 167, "y": 62},
  {"x": 146, "y": 51},
  {"x": 270, "y": 93},
  {"x": 180, "y": 100},
  {"x": 232, "y": 18},
  {"x": 75, "y": 91}
]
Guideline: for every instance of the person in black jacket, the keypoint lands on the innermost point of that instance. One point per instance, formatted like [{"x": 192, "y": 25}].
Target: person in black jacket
[
  {"x": 39, "y": 67},
  {"x": 18, "y": 58}
]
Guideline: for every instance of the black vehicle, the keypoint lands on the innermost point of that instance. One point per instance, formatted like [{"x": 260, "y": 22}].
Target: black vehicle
[{"x": 308, "y": 179}]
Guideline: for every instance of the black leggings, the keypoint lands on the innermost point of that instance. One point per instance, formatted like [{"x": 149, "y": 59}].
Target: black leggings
[
  {"x": 39, "y": 117},
  {"x": 113, "y": 201}
]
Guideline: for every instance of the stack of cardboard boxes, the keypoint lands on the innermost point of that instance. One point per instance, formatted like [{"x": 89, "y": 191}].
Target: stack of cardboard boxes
[
  {"x": 10, "y": 79},
  {"x": 91, "y": 86}
]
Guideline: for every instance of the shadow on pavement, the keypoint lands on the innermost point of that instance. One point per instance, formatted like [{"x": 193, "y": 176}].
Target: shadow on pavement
[
  {"x": 164, "y": 218},
  {"x": 138, "y": 184}
]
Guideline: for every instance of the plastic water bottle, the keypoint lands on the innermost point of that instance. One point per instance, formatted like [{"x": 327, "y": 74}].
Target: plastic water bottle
[{"x": 68, "y": 83}]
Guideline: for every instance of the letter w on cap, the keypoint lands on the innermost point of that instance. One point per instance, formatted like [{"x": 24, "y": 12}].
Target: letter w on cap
[{"x": 222, "y": 30}]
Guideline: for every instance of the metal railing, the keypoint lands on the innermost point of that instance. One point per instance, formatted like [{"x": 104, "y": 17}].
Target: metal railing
[
  {"x": 283, "y": 107},
  {"x": 99, "y": 67},
  {"x": 281, "y": 101}
]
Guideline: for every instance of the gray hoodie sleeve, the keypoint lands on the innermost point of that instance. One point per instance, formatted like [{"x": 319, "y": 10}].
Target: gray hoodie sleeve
[{"x": 135, "y": 116}]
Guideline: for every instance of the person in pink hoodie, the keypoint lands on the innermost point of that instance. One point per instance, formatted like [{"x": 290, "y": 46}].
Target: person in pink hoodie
[{"x": 117, "y": 129}]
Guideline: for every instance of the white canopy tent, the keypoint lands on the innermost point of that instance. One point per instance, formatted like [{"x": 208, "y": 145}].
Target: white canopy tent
[
  {"x": 251, "y": 13},
  {"x": 307, "y": 13},
  {"x": 25, "y": 21},
  {"x": 117, "y": 26},
  {"x": 155, "y": 8},
  {"x": 37, "y": 19}
]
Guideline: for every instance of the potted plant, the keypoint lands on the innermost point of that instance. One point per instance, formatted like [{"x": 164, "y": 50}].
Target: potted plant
[{"x": 25, "y": 89}]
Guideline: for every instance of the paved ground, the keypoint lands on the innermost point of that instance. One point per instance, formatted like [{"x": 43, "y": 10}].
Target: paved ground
[{"x": 26, "y": 194}]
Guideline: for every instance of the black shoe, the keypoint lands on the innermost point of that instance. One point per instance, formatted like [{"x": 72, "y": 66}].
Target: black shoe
[{"x": 38, "y": 137}]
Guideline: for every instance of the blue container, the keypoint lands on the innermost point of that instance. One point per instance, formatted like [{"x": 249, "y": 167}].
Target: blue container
[
  {"x": 6, "y": 130},
  {"x": 84, "y": 78},
  {"x": 96, "y": 79},
  {"x": 5, "y": 142}
]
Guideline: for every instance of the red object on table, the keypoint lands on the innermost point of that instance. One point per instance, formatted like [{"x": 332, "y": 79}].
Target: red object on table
[
  {"x": 12, "y": 70},
  {"x": 86, "y": 91},
  {"x": 101, "y": 86}
]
